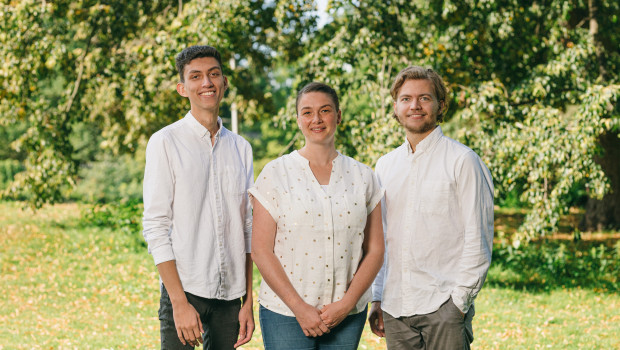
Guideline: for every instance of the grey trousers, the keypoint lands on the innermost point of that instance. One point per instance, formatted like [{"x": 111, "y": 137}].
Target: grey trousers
[
  {"x": 444, "y": 329},
  {"x": 219, "y": 318}
]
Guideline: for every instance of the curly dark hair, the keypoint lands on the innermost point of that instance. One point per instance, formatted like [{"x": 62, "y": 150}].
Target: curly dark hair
[{"x": 197, "y": 51}]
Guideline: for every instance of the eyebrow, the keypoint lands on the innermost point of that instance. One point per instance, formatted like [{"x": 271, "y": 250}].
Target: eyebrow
[
  {"x": 407, "y": 95},
  {"x": 323, "y": 106},
  {"x": 208, "y": 70}
]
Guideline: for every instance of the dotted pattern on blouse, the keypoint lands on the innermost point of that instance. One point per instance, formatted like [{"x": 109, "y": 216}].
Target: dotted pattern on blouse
[{"x": 319, "y": 231}]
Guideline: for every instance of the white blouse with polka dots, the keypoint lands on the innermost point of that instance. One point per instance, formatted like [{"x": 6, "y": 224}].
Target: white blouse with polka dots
[{"x": 319, "y": 230}]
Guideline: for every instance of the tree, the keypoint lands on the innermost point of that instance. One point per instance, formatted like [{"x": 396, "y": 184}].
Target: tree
[
  {"x": 533, "y": 87},
  {"x": 110, "y": 64}
]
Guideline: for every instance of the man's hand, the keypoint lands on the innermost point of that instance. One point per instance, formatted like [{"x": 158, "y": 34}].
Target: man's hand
[
  {"x": 246, "y": 324},
  {"x": 309, "y": 318},
  {"x": 334, "y": 313},
  {"x": 375, "y": 318},
  {"x": 187, "y": 323}
]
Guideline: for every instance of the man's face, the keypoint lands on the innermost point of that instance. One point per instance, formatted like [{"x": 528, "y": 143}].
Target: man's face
[
  {"x": 204, "y": 84},
  {"x": 416, "y": 106}
]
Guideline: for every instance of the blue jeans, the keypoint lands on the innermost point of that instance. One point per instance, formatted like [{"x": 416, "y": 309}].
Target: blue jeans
[{"x": 284, "y": 333}]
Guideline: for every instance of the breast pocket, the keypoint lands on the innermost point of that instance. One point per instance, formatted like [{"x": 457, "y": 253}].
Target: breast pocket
[
  {"x": 435, "y": 197},
  {"x": 233, "y": 181}
]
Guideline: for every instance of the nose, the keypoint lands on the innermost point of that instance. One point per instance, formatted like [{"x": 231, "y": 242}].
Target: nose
[
  {"x": 316, "y": 118},
  {"x": 207, "y": 81},
  {"x": 415, "y": 104}
]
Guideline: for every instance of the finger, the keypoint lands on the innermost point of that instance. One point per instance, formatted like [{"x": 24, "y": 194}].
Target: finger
[
  {"x": 242, "y": 335},
  {"x": 186, "y": 338},
  {"x": 323, "y": 327},
  {"x": 199, "y": 326},
  {"x": 180, "y": 335},
  {"x": 242, "y": 330},
  {"x": 306, "y": 333},
  {"x": 313, "y": 333},
  {"x": 195, "y": 331},
  {"x": 245, "y": 339}
]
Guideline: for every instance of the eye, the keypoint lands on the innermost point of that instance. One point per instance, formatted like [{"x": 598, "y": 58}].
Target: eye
[
  {"x": 193, "y": 76},
  {"x": 215, "y": 74},
  {"x": 425, "y": 98},
  {"x": 405, "y": 99},
  {"x": 325, "y": 110}
]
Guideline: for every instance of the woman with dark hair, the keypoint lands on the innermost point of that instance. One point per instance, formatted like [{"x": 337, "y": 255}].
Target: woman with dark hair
[{"x": 317, "y": 235}]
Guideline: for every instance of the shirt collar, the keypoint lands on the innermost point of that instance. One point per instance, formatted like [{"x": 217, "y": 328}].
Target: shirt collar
[
  {"x": 428, "y": 142},
  {"x": 199, "y": 129}
]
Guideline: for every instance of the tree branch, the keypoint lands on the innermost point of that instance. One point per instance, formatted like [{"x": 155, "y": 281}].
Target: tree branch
[
  {"x": 76, "y": 87},
  {"x": 598, "y": 45}
]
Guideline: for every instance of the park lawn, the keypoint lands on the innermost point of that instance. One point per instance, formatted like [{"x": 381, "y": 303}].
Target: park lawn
[{"x": 68, "y": 285}]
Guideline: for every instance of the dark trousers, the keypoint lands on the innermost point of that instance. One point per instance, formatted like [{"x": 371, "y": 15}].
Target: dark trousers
[
  {"x": 444, "y": 329},
  {"x": 220, "y": 322}
]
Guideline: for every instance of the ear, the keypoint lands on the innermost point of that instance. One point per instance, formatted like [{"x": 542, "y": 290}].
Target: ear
[
  {"x": 442, "y": 104},
  {"x": 225, "y": 83},
  {"x": 181, "y": 89},
  {"x": 339, "y": 120}
]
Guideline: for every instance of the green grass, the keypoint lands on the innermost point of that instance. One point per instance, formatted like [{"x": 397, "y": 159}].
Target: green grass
[{"x": 69, "y": 284}]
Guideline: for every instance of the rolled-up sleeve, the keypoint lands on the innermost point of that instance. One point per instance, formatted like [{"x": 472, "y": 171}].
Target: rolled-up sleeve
[
  {"x": 475, "y": 188},
  {"x": 158, "y": 197}
]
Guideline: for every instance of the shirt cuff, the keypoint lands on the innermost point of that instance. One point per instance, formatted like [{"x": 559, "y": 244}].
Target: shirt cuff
[
  {"x": 162, "y": 254},
  {"x": 377, "y": 293}
]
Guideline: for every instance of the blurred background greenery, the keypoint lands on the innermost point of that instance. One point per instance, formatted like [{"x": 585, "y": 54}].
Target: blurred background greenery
[{"x": 534, "y": 89}]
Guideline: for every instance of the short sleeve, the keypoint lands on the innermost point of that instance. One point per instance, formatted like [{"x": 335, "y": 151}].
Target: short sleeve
[
  {"x": 374, "y": 192},
  {"x": 265, "y": 190}
]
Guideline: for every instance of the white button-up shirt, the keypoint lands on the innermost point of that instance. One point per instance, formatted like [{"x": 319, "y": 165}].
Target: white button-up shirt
[
  {"x": 196, "y": 208},
  {"x": 438, "y": 224},
  {"x": 319, "y": 230}
]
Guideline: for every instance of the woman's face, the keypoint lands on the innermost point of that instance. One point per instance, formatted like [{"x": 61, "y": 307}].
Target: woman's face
[{"x": 317, "y": 117}]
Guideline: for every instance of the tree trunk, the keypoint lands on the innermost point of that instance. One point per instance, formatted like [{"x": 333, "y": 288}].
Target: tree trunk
[{"x": 605, "y": 213}]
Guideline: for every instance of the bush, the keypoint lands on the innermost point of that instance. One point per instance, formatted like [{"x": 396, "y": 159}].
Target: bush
[
  {"x": 8, "y": 169},
  {"x": 553, "y": 264},
  {"x": 111, "y": 179},
  {"x": 123, "y": 216}
]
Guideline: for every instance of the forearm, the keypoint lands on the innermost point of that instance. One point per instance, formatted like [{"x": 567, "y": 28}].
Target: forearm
[
  {"x": 374, "y": 249},
  {"x": 249, "y": 273},
  {"x": 275, "y": 276},
  {"x": 170, "y": 277},
  {"x": 364, "y": 276}
]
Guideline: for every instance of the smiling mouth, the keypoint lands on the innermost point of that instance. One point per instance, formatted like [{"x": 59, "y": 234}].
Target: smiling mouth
[
  {"x": 207, "y": 93},
  {"x": 317, "y": 129}
]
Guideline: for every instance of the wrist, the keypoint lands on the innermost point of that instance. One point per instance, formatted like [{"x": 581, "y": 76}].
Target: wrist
[{"x": 247, "y": 301}]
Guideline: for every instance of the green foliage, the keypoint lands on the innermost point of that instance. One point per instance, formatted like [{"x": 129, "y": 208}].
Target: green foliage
[
  {"x": 554, "y": 264},
  {"x": 533, "y": 87},
  {"x": 111, "y": 179},
  {"x": 125, "y": 217},
  {"x": 110, "y": 64}
]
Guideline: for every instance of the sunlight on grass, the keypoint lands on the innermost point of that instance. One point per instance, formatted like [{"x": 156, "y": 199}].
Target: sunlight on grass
[{"x": 67, "y": 285}]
